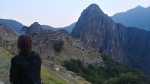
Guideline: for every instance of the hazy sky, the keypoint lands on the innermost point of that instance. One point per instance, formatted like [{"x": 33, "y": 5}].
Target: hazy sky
[{"x": 60, "y": 13}]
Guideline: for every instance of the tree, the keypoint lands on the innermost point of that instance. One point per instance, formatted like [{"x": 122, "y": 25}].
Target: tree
[{"x": 58, "y": 46}]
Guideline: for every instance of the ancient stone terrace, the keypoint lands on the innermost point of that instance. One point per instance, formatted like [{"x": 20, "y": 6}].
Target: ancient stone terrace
[{"x": 73, "y": 48}]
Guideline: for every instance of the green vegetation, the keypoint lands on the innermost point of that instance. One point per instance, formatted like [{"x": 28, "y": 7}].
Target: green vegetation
[
  {"x": 58, "y": 46},
  {"x": 50, "y": 78},
  {"x": 125, "y": 78},
  {"x": 5, "y": 58},
  {"x": 111, "y": 73}
]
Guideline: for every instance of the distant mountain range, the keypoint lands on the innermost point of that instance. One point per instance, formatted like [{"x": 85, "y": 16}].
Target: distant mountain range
[
  {"x": 137, "y": 17},
  {"x": 17, "y": 26},
  {"x": 67, "y": 28}
]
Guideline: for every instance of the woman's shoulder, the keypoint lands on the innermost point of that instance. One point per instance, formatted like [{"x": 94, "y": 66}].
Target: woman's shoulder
[
  {"x": 16, "y": 57},
  {"x": 34, "y": 53}
]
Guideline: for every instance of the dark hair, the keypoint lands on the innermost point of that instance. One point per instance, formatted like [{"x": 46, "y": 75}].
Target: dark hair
[{"x": 25, "y": 44}]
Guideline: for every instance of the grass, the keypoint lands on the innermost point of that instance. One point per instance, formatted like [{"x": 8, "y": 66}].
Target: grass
[
  {"x": 5, "y": 58},
  {"x": 50, "y": 78},
  {"x": 47, "y": 76}
]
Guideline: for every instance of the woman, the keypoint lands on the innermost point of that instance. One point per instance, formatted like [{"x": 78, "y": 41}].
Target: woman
[{"x": 26, "y": 66}]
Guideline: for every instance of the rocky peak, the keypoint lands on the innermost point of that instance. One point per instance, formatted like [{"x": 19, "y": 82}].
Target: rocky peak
[
  {"x": 34, "y": 27},
  {"x": 139, "y": 7},
  {"x": 36, "y": 24},
  {"x": 98, "y": 30},
  {"x": 92, "y": 17},
  {"x": 94, "y": 8}
]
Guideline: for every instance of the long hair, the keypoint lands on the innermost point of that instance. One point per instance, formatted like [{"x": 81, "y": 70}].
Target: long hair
[{"x": 25, "y": 44}]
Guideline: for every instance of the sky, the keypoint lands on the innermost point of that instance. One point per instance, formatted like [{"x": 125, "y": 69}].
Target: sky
[{"x": 60, "y": 13}]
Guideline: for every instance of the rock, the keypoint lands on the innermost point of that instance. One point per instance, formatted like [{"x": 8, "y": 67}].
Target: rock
[
  {"x": 33, "y": 28},
  {"x": 45, "y": 40},
  {"x": 97, "y": 30},
  {"x": 123, "y": 44}
]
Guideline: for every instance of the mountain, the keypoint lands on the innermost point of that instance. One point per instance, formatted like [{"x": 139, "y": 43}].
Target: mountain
[
  {"x": 135, "y": 44},
  {"x": 46, "y": 27},
  {"x": 128, "y": 45},
  {"x": 98, "y": 30},
  {"x": 32, "y": 28},
  {"x": 136, "y": 17},
  {"x": 56, "y": 47},
  {"x": 63, "y": 31},
  {"x": 17, "y": 26},
  {"x": 7, "y": 33},
  {"x": 68, "y": 28},
  {"x": 50, "y": 74}
]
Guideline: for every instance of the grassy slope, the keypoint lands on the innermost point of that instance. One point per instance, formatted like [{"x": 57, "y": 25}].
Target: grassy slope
[
  {"x": 5, "y": 57},
  {"x": 47, "y": 76},
  {"x": 50, "y": 78}
]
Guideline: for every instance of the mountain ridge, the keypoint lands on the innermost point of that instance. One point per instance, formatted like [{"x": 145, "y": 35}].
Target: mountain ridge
[
  {"x": 67, "y": 28},
  {"x": 18, "y": 27},
  {"x": 136, "y": 17},
  {"x": 15, "y": 25}
]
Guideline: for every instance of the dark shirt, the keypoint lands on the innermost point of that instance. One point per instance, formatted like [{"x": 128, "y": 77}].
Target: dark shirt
[{"x": 19, "y": 71}]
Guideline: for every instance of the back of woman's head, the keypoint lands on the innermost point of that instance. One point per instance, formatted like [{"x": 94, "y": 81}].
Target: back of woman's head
[{"x": 25, "y": 44}]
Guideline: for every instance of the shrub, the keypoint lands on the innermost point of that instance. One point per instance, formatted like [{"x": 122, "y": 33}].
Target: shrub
[{"x": 58, "y": 46}]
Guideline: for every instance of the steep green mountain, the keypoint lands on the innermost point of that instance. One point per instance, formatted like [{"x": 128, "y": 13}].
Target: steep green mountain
[
  {"x": 17, "y": 26},
  {"x": 124, "y": 44},
  {"x": 136, "y": 17}
]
